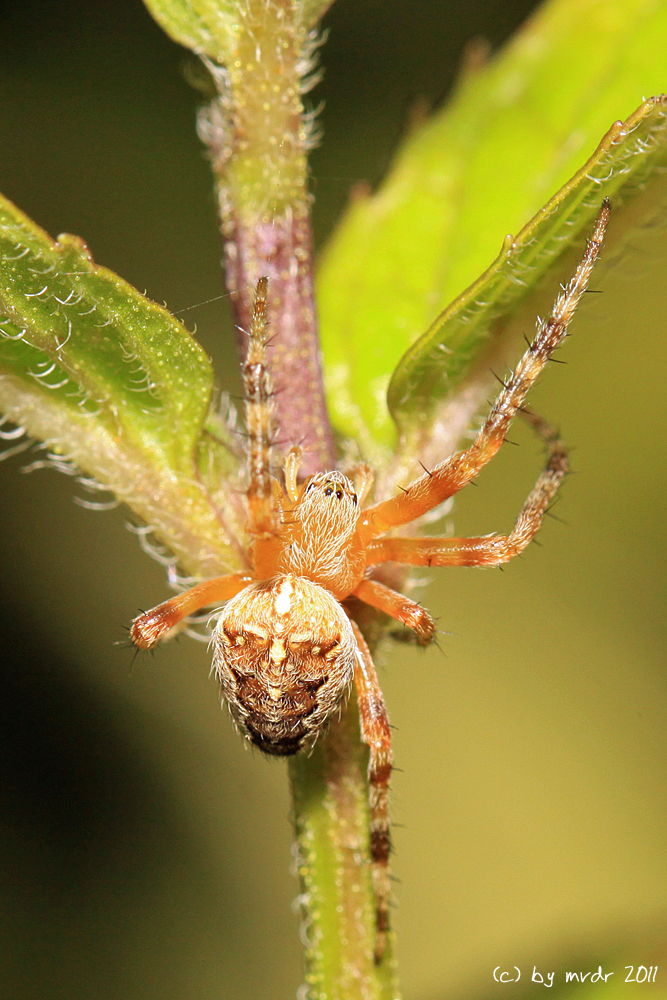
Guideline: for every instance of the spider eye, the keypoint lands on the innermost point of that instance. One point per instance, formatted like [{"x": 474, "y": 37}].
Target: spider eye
[
  {"x": 339, "y": 494},
  {"x": 328, "y": 491},
  {"x": 354, "y": 499}
]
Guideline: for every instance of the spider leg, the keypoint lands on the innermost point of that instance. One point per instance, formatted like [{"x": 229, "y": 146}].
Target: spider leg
[
  {"x": 151, "y": 626},
  {"x": 362, "y": 477},
  {"x": 397, "y": 606},
  {"x": 291, "y": 471},
  {"x": 258, "y": 391},
  {"x": 451, "y": 475},
  {"x": 485, "y": 550},
  {"x": 376, "y": 733}
]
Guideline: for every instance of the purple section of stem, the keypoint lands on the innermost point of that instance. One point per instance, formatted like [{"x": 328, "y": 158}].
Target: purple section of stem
[{"x": 282, "y": 250}]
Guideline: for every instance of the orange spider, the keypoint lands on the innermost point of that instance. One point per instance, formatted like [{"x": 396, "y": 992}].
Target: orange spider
[{"x": 285, "y": 649}]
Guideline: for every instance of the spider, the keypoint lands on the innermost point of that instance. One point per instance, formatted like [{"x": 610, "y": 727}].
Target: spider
[{"x": 286, "y": 650}]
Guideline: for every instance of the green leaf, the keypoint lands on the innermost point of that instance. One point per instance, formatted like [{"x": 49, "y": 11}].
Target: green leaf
[
  {"x": 314, "y": 11},
  {"x": 437, "y": 362},
  {"x": 513, "y": 133},
  {"x": 114, "y": 383},
  {"x": 80, "y": 331},
  {"x": 211, "y": 28},
  {"x": 205, "y": 26}
]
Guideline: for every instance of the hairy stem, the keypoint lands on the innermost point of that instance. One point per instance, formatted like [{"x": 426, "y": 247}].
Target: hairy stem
[
  {"x": 330, "y": 797},
  {"x": 259, "y": 135}
]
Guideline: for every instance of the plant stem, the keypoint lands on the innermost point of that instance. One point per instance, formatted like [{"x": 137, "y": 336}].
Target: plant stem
[
  {"x": 258, "y": 135},
  {"x": 330, "y": 797}
]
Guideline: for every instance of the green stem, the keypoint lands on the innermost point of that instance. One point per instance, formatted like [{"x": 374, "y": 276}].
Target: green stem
[
  {"x": 330, "y": 797},
  {"x": 260, "y": 53},
  {"x": 258, "y": 135}
]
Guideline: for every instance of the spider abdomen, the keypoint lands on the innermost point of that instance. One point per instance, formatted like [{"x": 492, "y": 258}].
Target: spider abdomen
[{"x": 284, "y": 653}]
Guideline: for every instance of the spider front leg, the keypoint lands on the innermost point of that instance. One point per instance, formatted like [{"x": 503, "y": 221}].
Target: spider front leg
[
  {"x": 485, "y": 550},
  {"x": 376, "y": 733},
  {"x": 291, "y": 471},
  {"x": 258, "y": 393},
  {"x": 152, "y": 626},
  {"x": 451, "y": 475}
]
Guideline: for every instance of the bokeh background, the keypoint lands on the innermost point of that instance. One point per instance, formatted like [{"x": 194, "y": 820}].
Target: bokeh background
[{"x": 145, "y": 851}]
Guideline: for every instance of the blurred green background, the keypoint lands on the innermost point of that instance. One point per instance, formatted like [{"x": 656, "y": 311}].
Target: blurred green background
[{"x": 145, "y": 849}]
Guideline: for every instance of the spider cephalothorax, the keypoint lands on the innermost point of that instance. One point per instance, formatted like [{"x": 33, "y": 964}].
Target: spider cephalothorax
[
  {"x": 285, "y": 649},
  {"x": 321, "y": 534}
]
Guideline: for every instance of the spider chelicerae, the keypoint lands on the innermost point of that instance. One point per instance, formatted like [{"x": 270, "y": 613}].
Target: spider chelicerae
[{"x": 286, "y": 649}]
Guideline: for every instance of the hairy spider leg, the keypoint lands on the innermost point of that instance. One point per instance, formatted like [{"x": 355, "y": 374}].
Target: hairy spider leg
[
  {"x": 291, "y": 471},
  {"x": 451, "y": 475},
  {"x": 376, "y": 733},
  {"x": 147, "y": 630},
  {"x": 362, "y": 477},
  {"x": 258, "y": 393},
  {"x": 397, "y": 606},
  {"x": 484, "y": 550}
]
